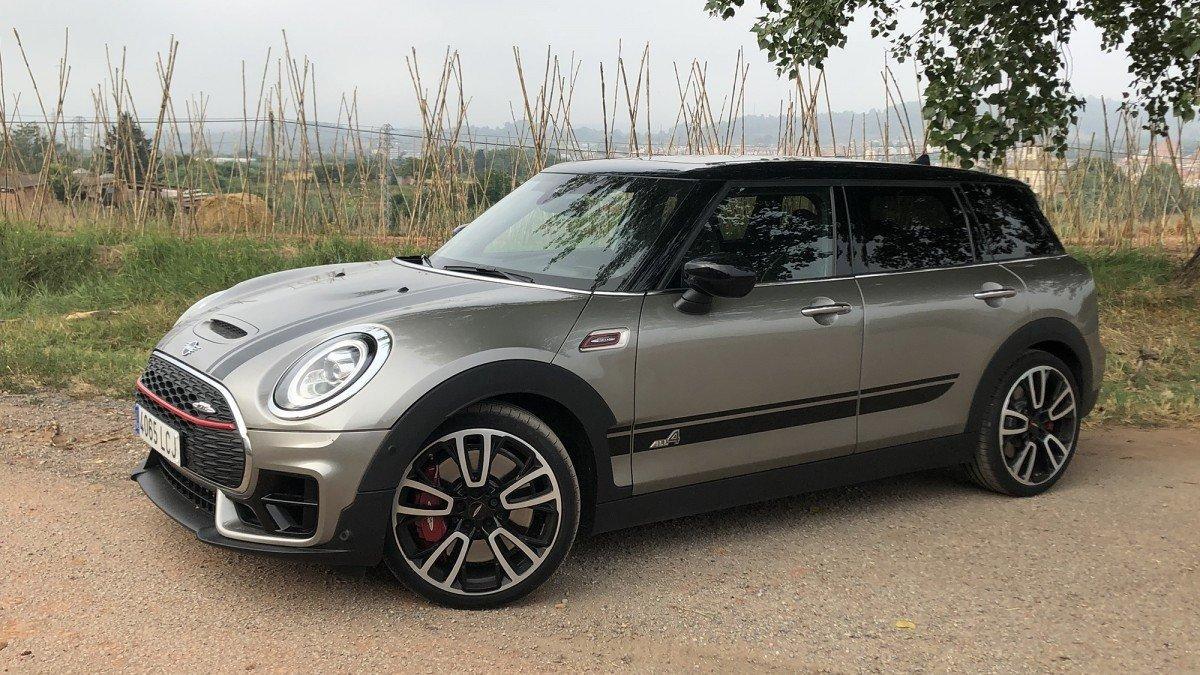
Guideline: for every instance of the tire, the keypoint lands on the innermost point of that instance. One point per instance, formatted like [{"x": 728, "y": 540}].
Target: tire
[
  {"x": 1026, "y": 441},
  {"x": 493, "y": 532}
]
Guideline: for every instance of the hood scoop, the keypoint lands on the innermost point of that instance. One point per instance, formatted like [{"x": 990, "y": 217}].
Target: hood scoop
[{"x": 224, "y": 329}]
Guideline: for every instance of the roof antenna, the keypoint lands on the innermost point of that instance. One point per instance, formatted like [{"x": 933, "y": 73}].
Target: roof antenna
[{"x": 923, "y": 159}]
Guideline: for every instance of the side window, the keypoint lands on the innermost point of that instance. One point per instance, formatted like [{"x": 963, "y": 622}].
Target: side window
[
  {"x": 1010, "y": 224},
  {"x": 783, "y": 234},
  {"x": 908, "y": 228}
]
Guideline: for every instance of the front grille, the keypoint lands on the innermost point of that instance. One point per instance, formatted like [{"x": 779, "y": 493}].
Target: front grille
[
  {"x": 202, "y": 497},
  {"x": 181, "y": 389},
  {"x": 215, "y": 454}
]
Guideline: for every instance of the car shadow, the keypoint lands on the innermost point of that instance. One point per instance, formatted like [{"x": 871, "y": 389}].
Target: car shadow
[
  {"x": 881, "y": 497},
  {"x": 623, "y": 552}
]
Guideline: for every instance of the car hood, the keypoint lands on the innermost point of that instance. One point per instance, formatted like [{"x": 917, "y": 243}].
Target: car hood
[
  {"x": 305, "y": 305},
  {"x": 279, "y": 300}
]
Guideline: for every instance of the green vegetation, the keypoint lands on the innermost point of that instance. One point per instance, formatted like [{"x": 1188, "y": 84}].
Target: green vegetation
[
  {"x": 1150, "y": 325},
  {"x": 997, "y": 74},
  {"x": 138, "y": 284}
]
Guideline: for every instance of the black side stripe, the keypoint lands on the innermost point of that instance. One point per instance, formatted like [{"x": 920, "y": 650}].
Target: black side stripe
[
  {"x": 902, "y": 399},
  {"x": 775, "y": 416},
  {"x": 618, "y": 444},
  {"x": 753, "y": 424},
  {"x": 913, "y": 383}
]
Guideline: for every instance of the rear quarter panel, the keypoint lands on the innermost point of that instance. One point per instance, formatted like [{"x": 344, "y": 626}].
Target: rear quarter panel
[{"x": 1062, "y": 287}]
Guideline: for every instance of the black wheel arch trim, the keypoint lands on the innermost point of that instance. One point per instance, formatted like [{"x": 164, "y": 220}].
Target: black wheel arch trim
[
  {"x": 1038, "y": 331},
  {"x": 488, "y": 381}
]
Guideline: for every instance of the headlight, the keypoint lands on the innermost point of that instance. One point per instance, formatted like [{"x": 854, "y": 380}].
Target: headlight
[{"x": 331, "y": 372}]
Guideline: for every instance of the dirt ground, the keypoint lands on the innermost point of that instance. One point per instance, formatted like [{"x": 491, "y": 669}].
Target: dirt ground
[{"x": 921, "y": 572}]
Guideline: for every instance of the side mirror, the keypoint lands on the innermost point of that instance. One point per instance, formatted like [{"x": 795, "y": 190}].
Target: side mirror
[
  {"x": 458, "y": 229},
  {"x": 713, "y": 276}
]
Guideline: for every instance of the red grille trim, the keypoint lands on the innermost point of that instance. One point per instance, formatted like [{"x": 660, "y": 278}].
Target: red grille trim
[{"x": 182, "y": 414}]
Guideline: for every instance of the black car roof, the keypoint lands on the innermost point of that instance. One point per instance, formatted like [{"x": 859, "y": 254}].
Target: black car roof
[{"x": 721, "y": 167}]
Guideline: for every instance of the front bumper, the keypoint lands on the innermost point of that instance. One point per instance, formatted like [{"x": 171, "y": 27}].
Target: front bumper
[{"x": 350, "y": 526}]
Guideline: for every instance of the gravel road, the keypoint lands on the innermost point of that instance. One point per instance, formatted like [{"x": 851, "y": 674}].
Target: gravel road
[{"x": 920, "y": 572}]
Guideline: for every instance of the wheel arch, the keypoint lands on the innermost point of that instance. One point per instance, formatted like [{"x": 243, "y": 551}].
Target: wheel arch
[
  {"x": 1055, "y": 336},
  {"x": 564, "y": 401}
]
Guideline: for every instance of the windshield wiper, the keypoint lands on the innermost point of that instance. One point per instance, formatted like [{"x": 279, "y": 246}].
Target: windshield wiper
[
  {"x": 416, "y": 259},
  {"x": 488, "y": 271}
]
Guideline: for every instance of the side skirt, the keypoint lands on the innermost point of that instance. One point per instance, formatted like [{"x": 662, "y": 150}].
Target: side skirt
[{"x": 775, "y": 483}]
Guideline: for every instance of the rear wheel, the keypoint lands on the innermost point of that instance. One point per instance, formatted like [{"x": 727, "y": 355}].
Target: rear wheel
[
  {"x": 486, "y": 511},
  {"x": 1030, "y": 427}
]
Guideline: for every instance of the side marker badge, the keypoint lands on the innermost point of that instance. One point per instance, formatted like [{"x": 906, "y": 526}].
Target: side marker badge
[{"x": 605, "y": 338}]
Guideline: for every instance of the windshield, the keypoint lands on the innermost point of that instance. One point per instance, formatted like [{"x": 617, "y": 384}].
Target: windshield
[{"x": 585, "y": 231}]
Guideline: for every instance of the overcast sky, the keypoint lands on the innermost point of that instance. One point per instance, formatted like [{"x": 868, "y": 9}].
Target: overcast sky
[{"x": 360, "y": 44}]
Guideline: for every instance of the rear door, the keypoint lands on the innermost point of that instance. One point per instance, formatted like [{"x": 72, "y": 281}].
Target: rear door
[
  {"x": 935, "y": 314},
  {"x": 762, "y": 381}
]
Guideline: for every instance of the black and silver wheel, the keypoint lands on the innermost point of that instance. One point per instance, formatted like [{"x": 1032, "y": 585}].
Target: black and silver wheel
[
  {"x": 486, "y": 511},
  {"x": 1030, "y": 427}
]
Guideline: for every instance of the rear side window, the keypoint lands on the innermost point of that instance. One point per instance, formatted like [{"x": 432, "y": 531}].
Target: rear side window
[
  {"x": 909, "y": 228},
  {"x": 783, "y": 234},
  {"x": 1010, "y": 224}
]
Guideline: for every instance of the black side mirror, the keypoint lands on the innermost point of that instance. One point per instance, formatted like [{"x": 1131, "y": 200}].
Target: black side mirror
[{"x": 713, "y": 276}]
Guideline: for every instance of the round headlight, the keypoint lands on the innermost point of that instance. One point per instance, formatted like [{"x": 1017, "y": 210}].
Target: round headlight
[{"x": 330, "y": 373}]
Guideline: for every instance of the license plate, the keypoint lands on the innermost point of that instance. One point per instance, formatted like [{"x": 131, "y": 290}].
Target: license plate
[{"x": 156, "y": 434}]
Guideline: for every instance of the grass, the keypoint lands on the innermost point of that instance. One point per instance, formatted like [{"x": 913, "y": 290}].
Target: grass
[
  {"x": 138, "y": 284},
  {"x": 1150, "y": 325},
  {"x": 141, "y": 283}
]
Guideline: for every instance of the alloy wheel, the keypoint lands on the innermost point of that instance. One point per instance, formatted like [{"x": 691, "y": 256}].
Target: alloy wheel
[
  {"x": 1038, "y": 425},
  {"x": 477, "y": 511}
]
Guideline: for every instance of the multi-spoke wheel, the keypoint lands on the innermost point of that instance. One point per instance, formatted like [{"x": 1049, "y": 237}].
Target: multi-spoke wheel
[
  {"x": 1030, "y": 428},
  {"x": 486, "y": 511}
]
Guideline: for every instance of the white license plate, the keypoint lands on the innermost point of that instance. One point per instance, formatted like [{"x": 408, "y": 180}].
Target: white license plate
[{"x": 157, "y": 434}]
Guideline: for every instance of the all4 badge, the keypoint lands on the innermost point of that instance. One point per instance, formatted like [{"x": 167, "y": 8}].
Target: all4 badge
[{"x": 671, "y": 439}]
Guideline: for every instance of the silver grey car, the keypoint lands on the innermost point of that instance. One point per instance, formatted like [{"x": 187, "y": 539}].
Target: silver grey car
[{"x": 618, "y": 342}]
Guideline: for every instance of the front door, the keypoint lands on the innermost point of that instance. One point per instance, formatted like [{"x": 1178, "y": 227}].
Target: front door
[{"x": 760, "y": 382}]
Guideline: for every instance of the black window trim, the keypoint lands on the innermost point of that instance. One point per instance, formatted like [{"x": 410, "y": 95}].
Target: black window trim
[
  {"x": 848, "y": 264},
  {"x": 841, "y": 229},
  {"x": 977, "y": 223}
]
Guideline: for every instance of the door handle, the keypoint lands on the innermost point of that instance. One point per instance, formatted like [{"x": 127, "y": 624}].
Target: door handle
[
  {"x": 996, "y": 293},
  {"x": 836, "y": 308}
]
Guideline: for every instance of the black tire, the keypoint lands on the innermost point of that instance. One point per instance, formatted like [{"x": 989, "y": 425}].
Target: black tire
[
  {"x": 990, "y": 466},
  {"x": 526, "y": 427}
]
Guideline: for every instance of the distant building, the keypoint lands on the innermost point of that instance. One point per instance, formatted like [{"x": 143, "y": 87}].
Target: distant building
[
  {"x": 105, "y": 188},
  {"x": 1041, "y": 170},
  {"x": 1190, "y": 170},
  {"x": 17, "y": 189}
]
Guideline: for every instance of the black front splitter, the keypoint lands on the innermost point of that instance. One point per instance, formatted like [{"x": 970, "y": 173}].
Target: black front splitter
[{"x": 361, "y": 527}]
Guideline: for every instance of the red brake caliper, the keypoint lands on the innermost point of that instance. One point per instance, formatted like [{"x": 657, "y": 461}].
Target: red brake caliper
[{"x": 430, "y": 529}]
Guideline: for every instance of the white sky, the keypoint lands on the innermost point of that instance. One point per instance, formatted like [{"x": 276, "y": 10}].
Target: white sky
[{"x": 362, "y": 44}]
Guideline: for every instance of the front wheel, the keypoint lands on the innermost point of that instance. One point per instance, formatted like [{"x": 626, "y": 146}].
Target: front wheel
[
  {"x": 486, "y": 511},
  {"x": 1029, "y": 429}
]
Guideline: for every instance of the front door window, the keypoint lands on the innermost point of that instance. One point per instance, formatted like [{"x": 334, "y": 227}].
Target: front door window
[{"x": 783, "y": 234}]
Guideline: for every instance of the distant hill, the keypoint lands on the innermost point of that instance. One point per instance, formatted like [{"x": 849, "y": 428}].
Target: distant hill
[{"x": 763, "y": 130}]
